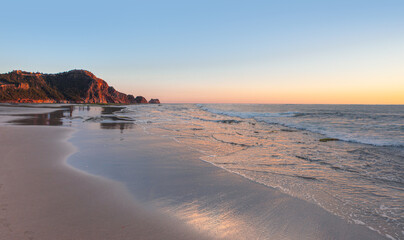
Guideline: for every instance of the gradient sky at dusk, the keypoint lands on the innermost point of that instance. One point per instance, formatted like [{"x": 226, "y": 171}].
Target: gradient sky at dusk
[{"x": 344, "y": 51}]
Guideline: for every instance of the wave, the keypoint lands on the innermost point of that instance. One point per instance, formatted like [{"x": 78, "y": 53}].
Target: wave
[
  {"x": 284, "y": 119},
  {"x": 246, "y": 115}
]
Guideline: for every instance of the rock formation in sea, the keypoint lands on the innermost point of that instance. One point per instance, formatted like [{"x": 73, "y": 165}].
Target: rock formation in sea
[
  {"x": 154, "y": 100},
  {"x": 75, "y": 86}
]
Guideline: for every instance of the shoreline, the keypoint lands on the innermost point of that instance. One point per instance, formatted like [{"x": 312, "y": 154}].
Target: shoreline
[
  {"x": 211, "y": 199},
  {"x": 118, "y": 203},
  {"x": 337, "y": 176}
]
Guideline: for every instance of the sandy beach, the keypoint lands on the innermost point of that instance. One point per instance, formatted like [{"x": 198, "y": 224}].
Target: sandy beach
[
  {"x": 142, "y": 194},
  {"x": 43, "y": 198}
]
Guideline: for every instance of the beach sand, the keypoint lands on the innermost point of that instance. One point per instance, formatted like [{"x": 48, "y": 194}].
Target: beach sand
[{"x": 42, "y": 198}]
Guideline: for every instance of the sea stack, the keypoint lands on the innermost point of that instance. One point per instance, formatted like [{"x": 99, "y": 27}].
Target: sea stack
[{"x": 154, "y": 101}]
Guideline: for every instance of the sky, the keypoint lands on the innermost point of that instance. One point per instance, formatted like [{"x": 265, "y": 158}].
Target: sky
[{"x": 222, "y": 51}]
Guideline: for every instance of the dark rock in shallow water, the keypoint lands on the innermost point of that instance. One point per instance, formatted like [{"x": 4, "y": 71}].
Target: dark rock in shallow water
[
  {"x": 328, "y": 139},
  {"x": 140, "y": 99},
  {"x": 289, "y": 130},
  {"x": 154, "y": 101},
  {"x": 230, "y": 121}
]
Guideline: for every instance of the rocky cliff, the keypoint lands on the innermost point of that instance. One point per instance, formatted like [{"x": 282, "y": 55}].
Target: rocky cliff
[{"x": 75, "y": 86}]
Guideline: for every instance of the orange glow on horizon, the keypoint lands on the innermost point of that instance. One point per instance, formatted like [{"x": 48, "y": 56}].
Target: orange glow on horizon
[{"x": 291, "y": 96}]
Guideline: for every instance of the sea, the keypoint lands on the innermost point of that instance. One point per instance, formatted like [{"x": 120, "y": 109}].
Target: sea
[{"x": 347, "y": 159}]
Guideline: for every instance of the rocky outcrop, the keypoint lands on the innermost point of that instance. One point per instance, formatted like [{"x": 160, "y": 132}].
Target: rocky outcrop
[
  {"x": 75, "y": 86},
  {"x": 140, "y": 99},
  {"x": 131, "y": 98},
  {"x": 154, "y": 101}
]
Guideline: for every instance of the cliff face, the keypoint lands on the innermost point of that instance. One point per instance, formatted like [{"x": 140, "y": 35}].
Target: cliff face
[{"x": 75, "y": 86}]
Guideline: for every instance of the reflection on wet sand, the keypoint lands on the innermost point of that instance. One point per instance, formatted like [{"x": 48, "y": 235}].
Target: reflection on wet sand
[
  {"x": 53, "y": 119},
  {"x": 120, "y": 125},
  {"x": 73, "y": 115},
  {"x": 110, "y": 110},
  {"x": 221, "y": 222}
]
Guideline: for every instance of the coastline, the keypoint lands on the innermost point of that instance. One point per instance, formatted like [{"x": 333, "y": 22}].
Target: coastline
[{"x": 191, "y": 198}]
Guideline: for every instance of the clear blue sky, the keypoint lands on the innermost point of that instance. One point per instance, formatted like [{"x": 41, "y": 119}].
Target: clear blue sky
[{"x": 216, "y": 51}]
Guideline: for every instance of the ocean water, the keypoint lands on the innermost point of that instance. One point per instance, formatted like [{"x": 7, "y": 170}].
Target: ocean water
[
  {"x": 369, "y": 124},
  {"x": 360, "y": 177}
]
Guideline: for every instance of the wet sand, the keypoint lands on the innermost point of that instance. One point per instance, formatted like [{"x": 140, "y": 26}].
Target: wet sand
[
  {"x": 9, "y": 112},
  {"x": 164, "y": 174},
  {"x": 151, "y": 188},
  {"x": 43, "y": 198}
]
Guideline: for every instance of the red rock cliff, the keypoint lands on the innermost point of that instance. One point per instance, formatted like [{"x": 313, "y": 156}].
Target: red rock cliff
[{"x": 75, "y": 86}]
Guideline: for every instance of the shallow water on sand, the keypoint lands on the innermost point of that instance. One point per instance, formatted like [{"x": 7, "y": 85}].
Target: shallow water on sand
[{"x": 361, "y": 183}]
